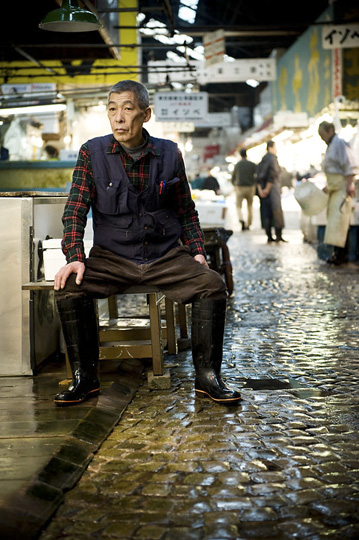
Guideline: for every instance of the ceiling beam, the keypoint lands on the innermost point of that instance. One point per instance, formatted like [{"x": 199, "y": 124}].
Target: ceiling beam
[
  {"x": 95, "y": 45},
  {"x": 199, "y": 31}
]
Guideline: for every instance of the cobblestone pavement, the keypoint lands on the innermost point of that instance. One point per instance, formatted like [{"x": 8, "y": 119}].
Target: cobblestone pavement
[{"x": 282, "y": 465}]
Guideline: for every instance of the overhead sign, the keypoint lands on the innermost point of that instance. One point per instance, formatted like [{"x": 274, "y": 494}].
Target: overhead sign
[
  {"x": 28, "y": 90},
  {"x": 180, "y": 106},
  {"x": 260, "y": 69},
  {"x": 221, "y": 119},
  {"x": 290, "y": 119},
  {"x": 340, "y": 36},
  {"x": 214, "y": 47}
]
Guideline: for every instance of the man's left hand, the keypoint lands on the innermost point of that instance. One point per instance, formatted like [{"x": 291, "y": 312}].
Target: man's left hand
[
  {"x": 201, "y": 259},
  {"x": 350, "y": 185},
  {"x": 351, "y": 189}
]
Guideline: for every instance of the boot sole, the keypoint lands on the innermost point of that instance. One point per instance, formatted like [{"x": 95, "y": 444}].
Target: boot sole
[
  {"x": 92, "y": 394},
  {"x": 229, "y": 401}
]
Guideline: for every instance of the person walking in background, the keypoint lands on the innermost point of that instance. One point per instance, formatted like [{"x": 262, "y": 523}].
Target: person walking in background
[
  {"x": 269, "y": 188},
  {"x": 244, "y": 181},
  {"x": 340, "y": 168}
]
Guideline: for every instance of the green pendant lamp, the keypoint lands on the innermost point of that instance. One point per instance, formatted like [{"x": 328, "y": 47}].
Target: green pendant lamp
[{"x": 70, "y": 18}]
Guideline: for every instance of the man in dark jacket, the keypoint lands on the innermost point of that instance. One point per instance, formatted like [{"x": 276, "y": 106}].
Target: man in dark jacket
[
  {"x": 269, "y": 188},
  {"x": 244, "y": 181},
  {"x": 146, "y": 231}
]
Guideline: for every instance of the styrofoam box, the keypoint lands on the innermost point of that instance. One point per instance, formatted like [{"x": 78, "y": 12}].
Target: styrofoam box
[
  {"x": 54, "y": 259},
  {"x": 211, "y": 214}
]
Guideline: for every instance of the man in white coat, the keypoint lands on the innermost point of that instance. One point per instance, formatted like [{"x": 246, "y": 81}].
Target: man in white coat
[{"x": 340, "y": 167}]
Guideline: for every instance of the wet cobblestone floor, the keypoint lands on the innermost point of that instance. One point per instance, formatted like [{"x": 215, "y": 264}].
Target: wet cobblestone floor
[{"x": 284, "y": 464}]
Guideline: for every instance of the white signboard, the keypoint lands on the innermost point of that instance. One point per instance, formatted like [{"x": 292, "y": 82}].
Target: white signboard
[
  {"x": 290, "y": 119},
  {"x": 221, "y": 119},
  {"x": 340, "y": 36},
  {"x": 214, "y": 47},
  {"x": 180, "y": 106},
  {"x": 29, "y": 90},
  {"x": 260, "y": 69}
]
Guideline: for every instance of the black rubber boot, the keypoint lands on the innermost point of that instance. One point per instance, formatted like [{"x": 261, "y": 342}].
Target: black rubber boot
[
  {"x": 79, "y": 325},
  {"x": 208, "y": 318},
  {"x": 340, "y": 256},
  {"x": 278, "y": 236},
  {"x": 269, "y": 234}
]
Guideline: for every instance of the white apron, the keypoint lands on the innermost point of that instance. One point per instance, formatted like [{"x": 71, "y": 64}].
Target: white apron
[{"x": 339, "y": 211}]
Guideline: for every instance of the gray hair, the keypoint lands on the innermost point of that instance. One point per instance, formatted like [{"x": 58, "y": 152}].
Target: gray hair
[{"x": 137, "y": 88}]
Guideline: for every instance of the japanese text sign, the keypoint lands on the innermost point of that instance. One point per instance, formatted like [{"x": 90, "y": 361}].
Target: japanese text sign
[
  {"x": 340, "y": 36},
  {"x": 180, "y": 106}
]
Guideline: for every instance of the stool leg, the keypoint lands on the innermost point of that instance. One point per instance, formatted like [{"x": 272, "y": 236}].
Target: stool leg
[
  {"x": 112, "y": 307},
  {"x": 182, "y": 319},
  {"x": 156, "y": 334},
  {"x": 171, "y": 328}
]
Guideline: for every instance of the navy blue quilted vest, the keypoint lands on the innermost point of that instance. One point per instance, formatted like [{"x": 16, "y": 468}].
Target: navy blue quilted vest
[{"x": 140, "y": 227}]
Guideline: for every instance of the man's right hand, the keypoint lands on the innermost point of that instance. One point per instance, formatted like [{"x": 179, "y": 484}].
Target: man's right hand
[{"x": 62, "y": 275}]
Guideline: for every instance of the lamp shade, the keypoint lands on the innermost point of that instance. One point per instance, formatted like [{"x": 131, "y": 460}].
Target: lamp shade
[{"x": 70, "y": 18}]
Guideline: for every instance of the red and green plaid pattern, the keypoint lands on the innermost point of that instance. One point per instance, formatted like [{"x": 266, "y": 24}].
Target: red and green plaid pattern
[{"x": 83, "y": 192}]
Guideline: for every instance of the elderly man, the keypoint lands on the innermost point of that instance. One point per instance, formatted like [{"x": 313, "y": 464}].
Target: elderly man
[
  {"x": 146, "y": 231},
  {"x": 340, "y": 168}
]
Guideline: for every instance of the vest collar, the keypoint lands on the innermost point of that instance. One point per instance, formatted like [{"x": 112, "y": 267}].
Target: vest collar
[{"x": 150, "y": 148}]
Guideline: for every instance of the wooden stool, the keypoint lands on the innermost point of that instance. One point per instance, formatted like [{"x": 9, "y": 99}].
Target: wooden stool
[{"x": 126, "y": 337}]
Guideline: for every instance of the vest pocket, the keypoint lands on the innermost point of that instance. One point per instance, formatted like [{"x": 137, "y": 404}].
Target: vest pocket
[
  {"x": 114, "y": 230},
  {"x": 108, "y": 197},
  {"x": 167, "y": 224},
  {"x": 165, "y": 193}
]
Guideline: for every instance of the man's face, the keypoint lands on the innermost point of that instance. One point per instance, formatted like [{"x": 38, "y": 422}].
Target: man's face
[
  {"x": 126, "y": 118},
  {"x": 326, "y": 135},
  {"x": 273, "y": 149}
]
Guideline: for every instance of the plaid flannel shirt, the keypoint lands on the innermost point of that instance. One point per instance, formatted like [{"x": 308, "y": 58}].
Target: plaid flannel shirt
[{"x": 83, "y": 192}]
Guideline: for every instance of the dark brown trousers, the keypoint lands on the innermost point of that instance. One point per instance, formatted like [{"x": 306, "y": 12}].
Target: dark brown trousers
[{"x": 178, "y": 275}]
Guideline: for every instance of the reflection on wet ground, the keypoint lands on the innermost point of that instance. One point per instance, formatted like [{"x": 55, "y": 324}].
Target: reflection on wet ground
[
  {"x": 31, "y": 429},
  {"x": 284, "y": 464}
]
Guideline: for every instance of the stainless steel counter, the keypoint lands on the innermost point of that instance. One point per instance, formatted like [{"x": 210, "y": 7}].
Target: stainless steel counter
[{"x": 29, "y": 329}]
